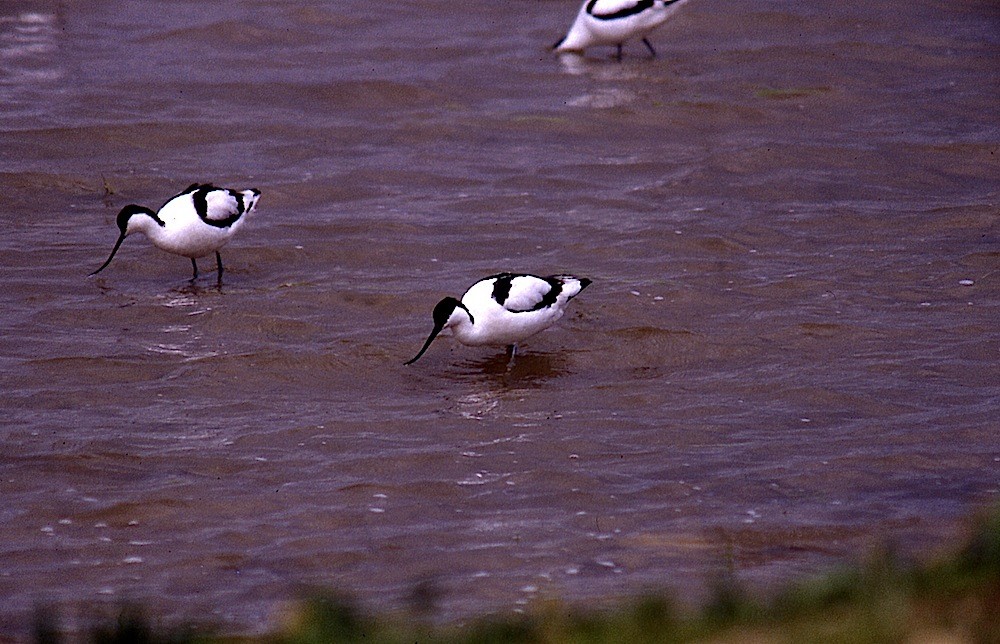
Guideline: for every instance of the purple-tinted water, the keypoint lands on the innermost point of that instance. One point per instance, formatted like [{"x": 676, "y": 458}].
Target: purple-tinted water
[{"x": 788, "y": 355}]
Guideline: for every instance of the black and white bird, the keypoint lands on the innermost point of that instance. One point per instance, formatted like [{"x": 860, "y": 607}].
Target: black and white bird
[
  {"x": 612, "y": 22},
  {"x": 194, "y": 223},
  {"x": 504, "y": 309}
]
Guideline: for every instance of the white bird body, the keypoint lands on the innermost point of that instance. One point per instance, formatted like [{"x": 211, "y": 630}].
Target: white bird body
[
  {"x": 612, "y": 22},
  {"x": 183, "y": 232},
  {"x": 504, "y": 309},
  {"x": 195, "y": 223}
]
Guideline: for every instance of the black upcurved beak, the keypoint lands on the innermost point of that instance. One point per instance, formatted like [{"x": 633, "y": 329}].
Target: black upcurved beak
[
  {"x": 430, "y": 338},
  {"x": 114, "y": 250}
]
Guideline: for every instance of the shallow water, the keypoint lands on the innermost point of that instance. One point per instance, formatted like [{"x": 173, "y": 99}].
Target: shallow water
[{"x": 788, "y": 355}]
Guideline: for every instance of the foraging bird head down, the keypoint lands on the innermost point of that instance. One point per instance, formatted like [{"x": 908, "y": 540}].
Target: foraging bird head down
[
  {"x": 130, "y": 219},
  {"x": 196, "y": 222},
  {"x": 447, "y": 313},
  {"x": 612, "y": 22},
  {"x": 134, "y": 218}
]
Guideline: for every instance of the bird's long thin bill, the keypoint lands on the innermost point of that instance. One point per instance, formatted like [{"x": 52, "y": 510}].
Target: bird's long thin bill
[
  {"x": 114, "y": 250},
  {"x": 430, "y": 338}
]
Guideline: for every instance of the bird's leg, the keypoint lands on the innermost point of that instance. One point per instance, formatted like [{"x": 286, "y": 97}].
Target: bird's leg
[
  {"x": 511, "y": 352},
  {"x": 618, "y": 56},
  {"x": 194, "y": 265},
  {"x": 649, "y": 46},
  {"x": 218, "y": 263}
]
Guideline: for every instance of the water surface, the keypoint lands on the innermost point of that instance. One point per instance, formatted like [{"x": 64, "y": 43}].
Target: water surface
[{"x": 788, "y": 355}]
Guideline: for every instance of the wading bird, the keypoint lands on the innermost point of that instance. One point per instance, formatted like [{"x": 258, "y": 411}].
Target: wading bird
[
  {"x": 612, "y": 22},
  {"x": 194, "y": 223},
  {"x": 504, "y": 309}
]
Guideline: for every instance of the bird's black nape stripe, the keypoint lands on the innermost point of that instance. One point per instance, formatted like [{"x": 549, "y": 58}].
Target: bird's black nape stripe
[{"x": 638, "y": 7}]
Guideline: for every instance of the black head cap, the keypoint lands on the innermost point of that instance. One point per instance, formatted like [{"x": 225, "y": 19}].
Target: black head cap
[
  {"x": 442, "y": 313},
  {"x": 122, "y": 221},
  {"x": 126, "y": 213}
]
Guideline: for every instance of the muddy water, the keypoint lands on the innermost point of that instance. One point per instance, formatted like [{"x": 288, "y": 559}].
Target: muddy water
[{"x": 788, "y": 355}]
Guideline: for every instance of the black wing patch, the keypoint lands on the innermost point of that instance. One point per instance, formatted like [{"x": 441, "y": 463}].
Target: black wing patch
[
  {"x": 638, "y": 7},
  {"x": 501, "y": 288},
  {"x": 200, "y": 198},
  {"x": 528, "y": 301},
  {"x": 551, "y": 295}
]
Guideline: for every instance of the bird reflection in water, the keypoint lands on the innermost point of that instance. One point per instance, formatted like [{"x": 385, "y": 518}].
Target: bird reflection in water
[{"x": 495, "y": 381}]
